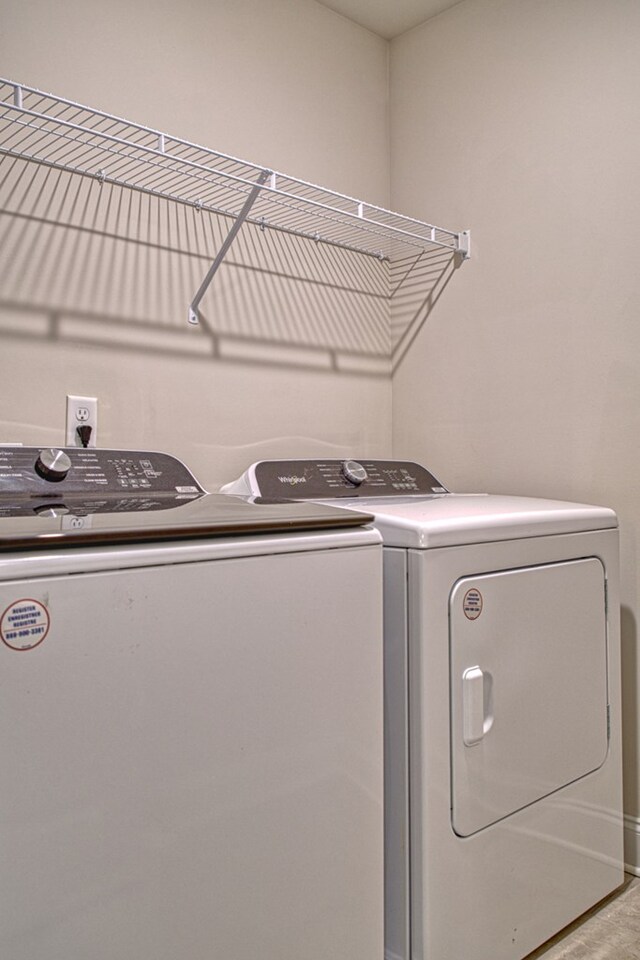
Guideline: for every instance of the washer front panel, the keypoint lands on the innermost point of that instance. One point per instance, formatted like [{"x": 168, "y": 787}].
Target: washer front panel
[{"x": 192, "y": 759}]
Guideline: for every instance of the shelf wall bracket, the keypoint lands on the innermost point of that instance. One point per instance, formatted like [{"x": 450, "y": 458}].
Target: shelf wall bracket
[
  {"x": 222, "y": 252},
  {"x": 464, "y": 244}
]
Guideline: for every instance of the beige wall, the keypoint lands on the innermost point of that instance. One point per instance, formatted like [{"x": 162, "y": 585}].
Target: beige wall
[
  {"x": 287, "y": 84},
  {"x": 519, "y": 120}
]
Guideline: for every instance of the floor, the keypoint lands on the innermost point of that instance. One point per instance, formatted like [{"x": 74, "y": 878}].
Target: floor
[{"x": 610, "y": 931}]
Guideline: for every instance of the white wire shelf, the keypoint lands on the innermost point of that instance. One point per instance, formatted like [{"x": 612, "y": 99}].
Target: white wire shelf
[{"x": 59, "y": 133}]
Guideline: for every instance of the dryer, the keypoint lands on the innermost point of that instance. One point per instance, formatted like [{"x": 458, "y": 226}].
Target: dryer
[
  {"x": 503, "y": 809},
  {"x": 190, "y": 716}
]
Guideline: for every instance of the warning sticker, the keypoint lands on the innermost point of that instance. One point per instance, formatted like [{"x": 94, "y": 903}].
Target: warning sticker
[
  {"x": 24, "y": 624},
  {"x": 472, "y": 604}
]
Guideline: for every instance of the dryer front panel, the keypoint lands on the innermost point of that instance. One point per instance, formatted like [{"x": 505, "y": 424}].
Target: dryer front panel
[{"x": 529, "y": 715}]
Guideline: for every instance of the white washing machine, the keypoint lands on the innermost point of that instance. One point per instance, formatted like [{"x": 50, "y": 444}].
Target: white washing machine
[
  {"x": 503, "y": 809},
  {"x": 190, "y": 717}
]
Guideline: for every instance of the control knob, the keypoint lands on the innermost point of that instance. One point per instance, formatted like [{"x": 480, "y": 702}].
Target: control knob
[
  {"x": 52, "y": 465},
  {"x": 51, "y": 511},
  {"x": 354, "y": 472}
]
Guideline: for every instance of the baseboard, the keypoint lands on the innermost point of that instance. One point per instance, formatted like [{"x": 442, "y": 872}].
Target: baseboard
[{"x": 632, "y": 845}]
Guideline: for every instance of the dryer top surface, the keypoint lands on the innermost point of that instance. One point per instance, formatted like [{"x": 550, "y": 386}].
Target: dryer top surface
[
  {"x": 412, "y": 509},
  {"x": 456, "y": 519}
]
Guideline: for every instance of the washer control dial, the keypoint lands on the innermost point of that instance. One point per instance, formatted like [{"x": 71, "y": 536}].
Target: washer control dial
[
  {"x": 52, "y": 465},
  {"x": 354, "y": 472}
]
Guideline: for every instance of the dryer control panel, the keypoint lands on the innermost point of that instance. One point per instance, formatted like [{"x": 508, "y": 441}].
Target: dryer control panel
[{"x": 329, "y": 479}]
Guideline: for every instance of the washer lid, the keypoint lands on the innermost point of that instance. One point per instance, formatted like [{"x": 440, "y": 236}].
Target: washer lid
[
  {"x": 81, "y": 522},
  {"x": 454, "y": 519},
  {"x": 75, "y": 496}
]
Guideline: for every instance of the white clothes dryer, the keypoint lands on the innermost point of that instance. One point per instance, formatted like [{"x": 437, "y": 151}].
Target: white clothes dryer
[
  {"x": 191, "y": 717},
  {"x": 503, "y": 809}
]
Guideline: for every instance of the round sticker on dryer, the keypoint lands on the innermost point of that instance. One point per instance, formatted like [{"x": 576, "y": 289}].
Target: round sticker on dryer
[
  {"x": 24, "y": 624},
  {"x": 472, "y": 604}
]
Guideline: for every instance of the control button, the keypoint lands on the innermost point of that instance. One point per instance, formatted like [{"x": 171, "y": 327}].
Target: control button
[
  {"x": 52, "y": 465},
  {"x": 354, "y": 472}
]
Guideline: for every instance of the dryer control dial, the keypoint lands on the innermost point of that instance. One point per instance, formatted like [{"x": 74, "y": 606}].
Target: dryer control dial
[
  {"x": 354, "y": 472},
  {"x": 52, "y": 465}
]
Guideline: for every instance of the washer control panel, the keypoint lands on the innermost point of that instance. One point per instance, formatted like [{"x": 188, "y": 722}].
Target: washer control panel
[
  {"x": 92, "y": 472},
  {"x": 326, "y": 479}
]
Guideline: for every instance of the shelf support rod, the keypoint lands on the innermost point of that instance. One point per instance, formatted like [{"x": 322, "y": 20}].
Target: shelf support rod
[
  {"x": 222, "y": 252},
  {"x": 17, "y": 96}
]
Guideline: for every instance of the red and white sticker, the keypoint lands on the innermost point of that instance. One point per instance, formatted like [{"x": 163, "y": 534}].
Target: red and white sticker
[
  {"x": 472, "y": 604},
  {"x": 24, "y": 624}
]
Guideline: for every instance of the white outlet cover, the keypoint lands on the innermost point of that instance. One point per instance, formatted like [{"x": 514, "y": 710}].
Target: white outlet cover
[{"x": 81, "y": 411}]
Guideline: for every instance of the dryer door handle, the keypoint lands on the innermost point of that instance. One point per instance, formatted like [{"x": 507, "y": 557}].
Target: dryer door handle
[{"x": 474, "y": 725}]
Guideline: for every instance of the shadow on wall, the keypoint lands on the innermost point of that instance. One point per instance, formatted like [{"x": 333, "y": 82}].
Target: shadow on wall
[
  {"x": 416, "y": 288},
  {"x": 97, "y": 264}
]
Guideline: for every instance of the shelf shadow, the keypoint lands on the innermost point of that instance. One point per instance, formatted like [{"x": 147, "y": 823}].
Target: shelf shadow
[
  {"x": 99, "y": 264},
  {"x": 415, "y": 295},
  {"x": 117, "y": 268}
]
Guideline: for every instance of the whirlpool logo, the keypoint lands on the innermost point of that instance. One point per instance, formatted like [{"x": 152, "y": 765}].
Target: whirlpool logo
[{"x": 292, "y": 480}]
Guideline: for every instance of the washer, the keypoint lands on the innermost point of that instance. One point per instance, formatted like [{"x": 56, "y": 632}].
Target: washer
[
  {"x": 503, "y": 809},
  {"x": 191, "y": 716}
]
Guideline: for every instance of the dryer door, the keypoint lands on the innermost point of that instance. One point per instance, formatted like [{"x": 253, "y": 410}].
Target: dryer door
[{"x": 528, "y": 686}]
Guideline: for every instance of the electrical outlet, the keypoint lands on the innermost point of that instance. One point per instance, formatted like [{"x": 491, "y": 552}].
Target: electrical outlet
[{"x": 82, "y": 421}]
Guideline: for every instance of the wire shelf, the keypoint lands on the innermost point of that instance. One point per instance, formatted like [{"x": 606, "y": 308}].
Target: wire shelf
[
  {"x": 38, "y": 126},
  {"x": 51, "y": 130}
]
